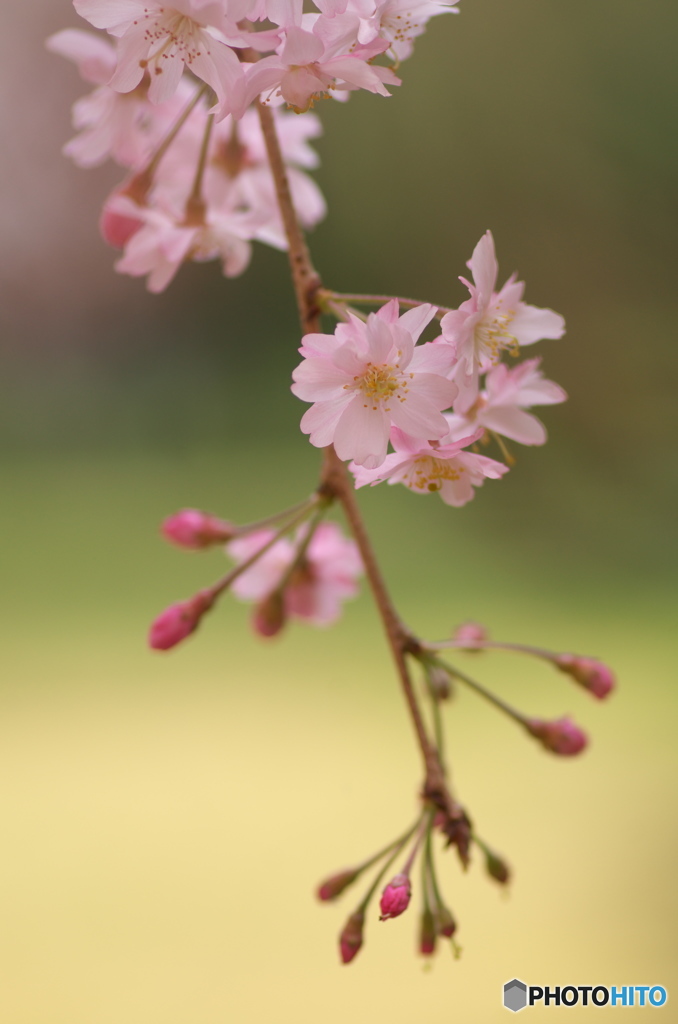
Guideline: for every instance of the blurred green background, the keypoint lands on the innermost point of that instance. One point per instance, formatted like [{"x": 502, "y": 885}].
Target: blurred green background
[{"x": 165, "y": 818}]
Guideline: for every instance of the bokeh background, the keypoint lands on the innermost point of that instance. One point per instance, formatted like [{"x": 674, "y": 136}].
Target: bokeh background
[{"x": 165, "y": 818}]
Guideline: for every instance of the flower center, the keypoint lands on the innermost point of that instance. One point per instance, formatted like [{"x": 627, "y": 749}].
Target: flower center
[
  {"x": 402, "y": 27},
  {"x": 429, "y": 474},
  {"x": 170, "y": 34},
  {"x": 492, "y": 335},
  {"x": 381, "y": 384}
]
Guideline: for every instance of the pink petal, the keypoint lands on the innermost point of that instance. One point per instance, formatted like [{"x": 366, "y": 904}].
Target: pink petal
[
  {"x": 362, "y": 434},
  {"x": 531, "y": 324},
  {"x": 301, "y": 47},
  {"x": 320, "y": 421},
  {"x": 132, "y": 49},
  {"x": 389, "y": 312},
  {"x": 514, "y": 423},
  {"x": 379, "y": 339},
  {"x": 110, "y": 14},
  {"x": 165, "y": 76},
  {"x": 432, "y": 357},
  {"x": 483, "y": 265},
  {"x": 318, "y": 380},
  {"x": 94, "y": 56},
  {"x": 415, "y": 320},
  {"x": 418, "y": 416}
]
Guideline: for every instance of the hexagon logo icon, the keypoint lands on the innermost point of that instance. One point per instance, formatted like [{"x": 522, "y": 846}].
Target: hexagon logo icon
[{"x": 515, "y": 995}]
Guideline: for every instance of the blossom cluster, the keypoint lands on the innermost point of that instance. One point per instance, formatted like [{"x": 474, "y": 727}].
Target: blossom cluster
[
  {"x": 189, "y": 100},
  {"x": 172, "y": 104},
  {"x": 371, "y": 383},
  {"x": 157, "y": 215},
  {"x": 304, "y": 56},
  {"x": 305, "y": 576}
]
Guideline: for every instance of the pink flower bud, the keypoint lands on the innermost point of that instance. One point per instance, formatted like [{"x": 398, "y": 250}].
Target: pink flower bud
[
  {"x": 270, "y": 615},
  {"x": 428, "y": 933},
  {"x": 395, "y": 897},
  {"x": 561, "y": 737},
  {"x": 190, "y": 528},
  {"x": 593, "y": 675},
  {"x": 447, "y": 926},
  {"x": 470, "y": 634},
  {"x": 178, "y": 621},
  {"x": 351, "y": 938},
  {"x": 117, "y": 228},
  {"x": 334, "y": 886}
]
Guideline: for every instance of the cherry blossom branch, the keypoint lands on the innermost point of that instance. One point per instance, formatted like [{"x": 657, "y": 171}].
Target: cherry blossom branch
[
  {"x": 332, "y": 298},
  {"x": 307, "y": 286},
  {"x": 304, "y": 278}
]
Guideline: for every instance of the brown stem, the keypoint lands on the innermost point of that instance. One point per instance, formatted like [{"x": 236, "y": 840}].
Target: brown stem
[
  {"x": 334, "y": 477},
  {"x": 380, "y": 300},
  {"x": 305, "y": 279}
]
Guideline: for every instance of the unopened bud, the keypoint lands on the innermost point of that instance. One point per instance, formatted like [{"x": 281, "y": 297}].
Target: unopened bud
[
  {"x": 497, "y": 868},
  {"x": 439, "y": 681},
  {"x": 178, "y": 621},
  {"x": 561, "y": 737},
  {"x": 270, "y": 615},
  {"x": 428, "y": 933},
  {"x": 193, "y": 529},
  {"x": 395, "y": 897},
  {"x": 117, "y": 228},
  {"x": 334, "y": 886},
  {"x": 447, "y": 926},
  {"x": 471, "y": 635},
  {"x": 351, "y": 938},
  {"x": 593, "y": 675}
]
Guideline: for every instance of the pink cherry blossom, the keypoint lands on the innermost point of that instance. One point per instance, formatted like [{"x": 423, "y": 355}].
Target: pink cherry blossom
[
  {"x": 490, "y": 322},
  {"x": 397, "y": 21},
  {"x": 368, "y": 376},
  {"x": 166, "y": 241},
  {"x": 316, "y": 61},
  {"x": 429, "y": 469},
  {"x": 124, "y": 126},
  {"x": 326, "y": 576},
  {"x": 164, "y": 40},
  {"x": 500, "y": 407}
]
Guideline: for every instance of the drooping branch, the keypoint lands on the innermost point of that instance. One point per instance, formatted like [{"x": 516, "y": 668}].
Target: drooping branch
[{"x": 334, "y": 477}]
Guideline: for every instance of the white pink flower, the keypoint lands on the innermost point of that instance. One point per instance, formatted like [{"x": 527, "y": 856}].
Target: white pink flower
[
  {"x": 501, "y": 406},
  {"x": 123, "y": 126},
  {"x": 397, "y": 21},
  {"x": 367, "y": 377},
  {"x": 490, "y": 322},
  {"x": 444, "y": 468},
  {"x": 326, "y": 575},
  {"x": 165, "y": 241},
  {"x": 163, "y": 40},
  {"x": 321, "y": 59}
]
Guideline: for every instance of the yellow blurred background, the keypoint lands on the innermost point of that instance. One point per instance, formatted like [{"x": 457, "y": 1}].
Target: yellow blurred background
[{"x": 167, "y": 817}]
